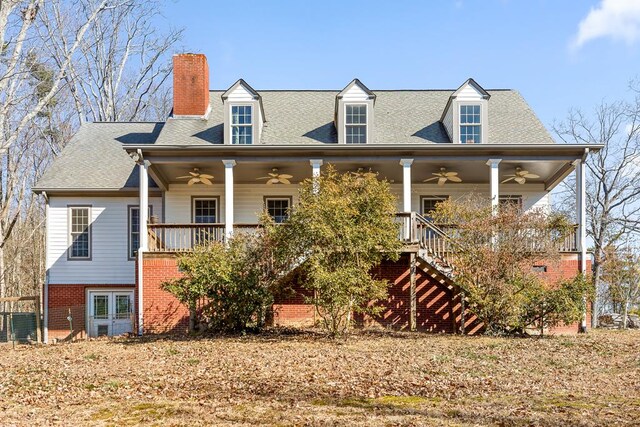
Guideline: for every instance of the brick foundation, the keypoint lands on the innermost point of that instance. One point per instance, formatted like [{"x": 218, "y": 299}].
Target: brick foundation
[
  {"x": 568, "y": 267},
  {"x": 438, "y": 305},
  {"x": 64, "y": 298},
  {"x": 163, "y": 313}
]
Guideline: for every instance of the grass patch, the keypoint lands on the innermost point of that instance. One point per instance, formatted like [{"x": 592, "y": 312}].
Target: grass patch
[
  {"x": 478, "y": 356},
  {"x": 193, "y": 362},
  {"x": 382, "y": 402},
  {"x": 141, "y": 413},
  {"x": 92, "y": 357},
  {"x": 113, "y": 385}
]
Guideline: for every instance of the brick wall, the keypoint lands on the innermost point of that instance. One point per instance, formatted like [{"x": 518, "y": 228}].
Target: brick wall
[
  {"x": 568, "y": 267},
  {"x": 65, "y": 297},
  {"x": 163, "y": 313},
  {"x": 438, "y": 309},
  {"x": 291, "y": 306},
  {"x": 438, "y": 305}
]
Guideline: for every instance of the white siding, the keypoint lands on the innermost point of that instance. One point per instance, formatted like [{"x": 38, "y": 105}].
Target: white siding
[
  {"x": 109, "y": 262},
  {"x": 533, "y": 195},
  {"x": 355, "y": 93},
  {"x": 468, "y": 93},
  {"x": 448, "y": 121},
  {"x": 248, "y": 198},
  {"x": 240, "y": 94}
]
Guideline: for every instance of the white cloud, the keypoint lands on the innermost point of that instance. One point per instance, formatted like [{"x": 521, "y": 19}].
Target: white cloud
[{"x": 617, "y": 19}]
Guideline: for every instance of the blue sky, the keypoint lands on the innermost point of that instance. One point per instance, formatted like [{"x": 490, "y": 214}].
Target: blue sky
[{"x": 558, "y": 54}]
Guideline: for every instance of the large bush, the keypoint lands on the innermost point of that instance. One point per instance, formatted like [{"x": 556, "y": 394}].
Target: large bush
[
  {"x": 342, "y": 227},
  {"x": 229, "y": 287},
  {"x": 493, "y": 263}
]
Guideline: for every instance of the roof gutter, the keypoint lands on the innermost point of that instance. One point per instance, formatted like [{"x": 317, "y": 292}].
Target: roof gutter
[
  {"x": 47, "y": 191},
  {"x": 364, "y": 147}
]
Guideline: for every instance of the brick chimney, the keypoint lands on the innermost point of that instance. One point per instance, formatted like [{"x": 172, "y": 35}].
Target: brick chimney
[{"x": 190, "y": 84}]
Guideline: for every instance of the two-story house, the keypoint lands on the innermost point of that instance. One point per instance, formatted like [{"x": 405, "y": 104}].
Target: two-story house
[{"x": 222, "y": 157}]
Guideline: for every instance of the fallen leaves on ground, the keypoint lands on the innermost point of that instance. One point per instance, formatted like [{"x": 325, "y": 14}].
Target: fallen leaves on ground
[{"x": 306, "y": 379}]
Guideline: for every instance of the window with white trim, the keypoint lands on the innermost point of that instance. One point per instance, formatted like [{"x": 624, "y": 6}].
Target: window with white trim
[
  {"x": 134, "y": 230},
  {"x": 278, "y": 208},
  {"x": 513, "y": 201},
  {"x": 429, "y": 204},
  {"x": 241, "y": 124},
  {"x": 80, "y": 232},
  {"x": 355, "y": 130},
  {"x": 470, "y": 124},
  {"x": 205, "y": 211}
]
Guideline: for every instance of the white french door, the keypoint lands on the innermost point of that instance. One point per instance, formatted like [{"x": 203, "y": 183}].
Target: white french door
[{"x": 110, "y": 313}]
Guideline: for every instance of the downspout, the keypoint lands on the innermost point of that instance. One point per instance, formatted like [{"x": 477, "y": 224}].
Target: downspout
[{"x": 45, "y": 297}]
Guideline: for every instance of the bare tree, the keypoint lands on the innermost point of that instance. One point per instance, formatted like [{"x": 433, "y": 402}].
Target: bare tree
[
  {"x": 122, "y": 68},
  {"x": 63, "y": 61},
  {"x": 621, "y": 271},
  {"x": 613, "y": 193},
  {"x": 29, "y": 86}
]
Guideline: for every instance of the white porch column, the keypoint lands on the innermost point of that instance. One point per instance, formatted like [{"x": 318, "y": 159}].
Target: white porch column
[
  {"x": 315, "y": 167},
  {"x": 143, "y": 167},
  {"x": 315, "y": 172},
  {"x": 494, "y": 182},
  {"x": 143, "y": 210},
  {"x": 406, "y": 184},
  {"x": 581, "y": 215},
  {"x": 228, "y": 197}
]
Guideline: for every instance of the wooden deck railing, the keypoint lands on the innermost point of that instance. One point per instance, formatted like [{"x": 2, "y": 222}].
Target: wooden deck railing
[{"x": 438, "y": 239}]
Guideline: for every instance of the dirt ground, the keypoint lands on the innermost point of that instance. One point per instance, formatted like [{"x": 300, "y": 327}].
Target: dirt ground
[{"x": 306, "y": 379}]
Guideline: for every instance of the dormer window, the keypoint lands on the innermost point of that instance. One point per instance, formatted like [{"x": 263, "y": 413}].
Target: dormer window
[
  {"x": 241, "y": 124},
  {"x": 465, "y": 117},
  {"x": 356, "y": 124},
  {"x": 354, "y": 114},
  {"x": 470, "y": 124},
  {"x": 243, "y": 115}
]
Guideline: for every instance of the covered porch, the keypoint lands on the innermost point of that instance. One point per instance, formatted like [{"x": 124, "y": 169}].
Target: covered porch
[{"x": 237, "y": 194}]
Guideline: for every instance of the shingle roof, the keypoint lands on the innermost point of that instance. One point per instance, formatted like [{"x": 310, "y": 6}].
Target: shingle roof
[
  {"x": 94, "y": 158},
  {"x": 402, "y": 117}
]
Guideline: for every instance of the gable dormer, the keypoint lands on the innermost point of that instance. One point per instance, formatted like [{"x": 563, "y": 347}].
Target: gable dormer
[
  {"x": 354, "y": 114},
  {"x": 243, "y": 114},
  {"x": 466, "y": 115}
]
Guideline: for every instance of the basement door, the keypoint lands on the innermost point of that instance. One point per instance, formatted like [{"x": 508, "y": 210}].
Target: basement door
[{"x": 110, "y": 313}]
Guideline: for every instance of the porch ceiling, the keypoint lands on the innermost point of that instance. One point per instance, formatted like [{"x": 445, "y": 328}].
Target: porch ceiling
[
  {"x": 470, "y": 171},
  {"x": 552, "y": 162}
]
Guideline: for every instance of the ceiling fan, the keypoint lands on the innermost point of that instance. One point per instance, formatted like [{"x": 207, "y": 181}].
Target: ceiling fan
[
  {"x": 521, "y": 176},
  {"x": 277, "y": 178},
  {"x": 444, "y": 176},
  {"x": 361, "y": 174},
  {"x": 196, "y": 177}
]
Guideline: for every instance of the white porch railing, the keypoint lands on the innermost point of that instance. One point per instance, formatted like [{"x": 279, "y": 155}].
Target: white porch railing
[
  {"x": 184, "y": 237},
  {"x": 438, "y": 239}
]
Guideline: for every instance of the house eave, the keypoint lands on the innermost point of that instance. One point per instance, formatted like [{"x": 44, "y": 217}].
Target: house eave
[
  {"x": 98, "y": 192},
  {"x": 540, "y": 150}
]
